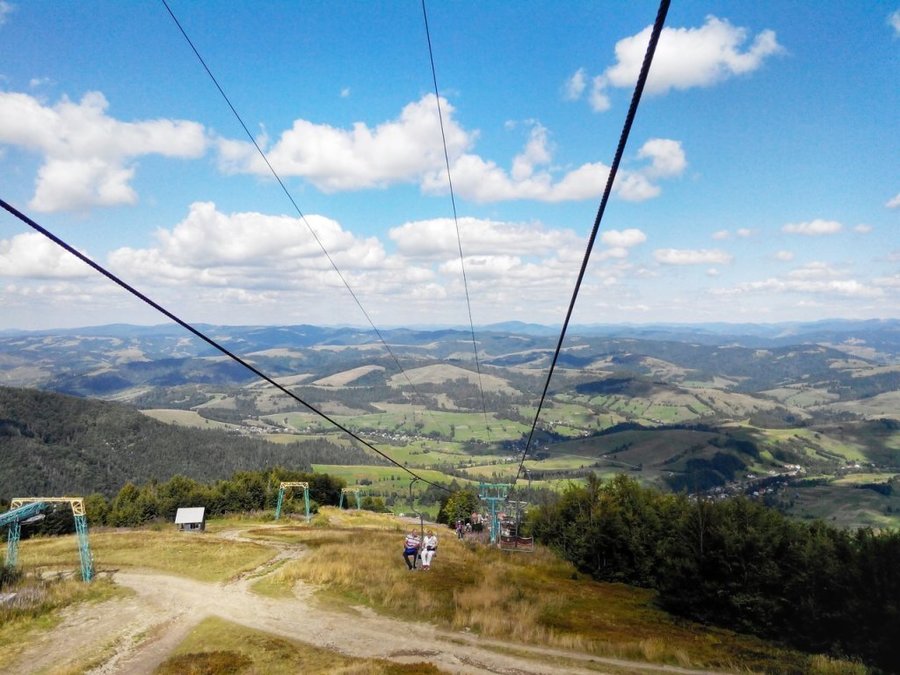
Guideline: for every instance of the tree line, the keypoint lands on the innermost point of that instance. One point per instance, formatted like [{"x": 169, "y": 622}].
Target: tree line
[
  {"x": 736, "y": 563},
  {"x": 246, "y": 491}
]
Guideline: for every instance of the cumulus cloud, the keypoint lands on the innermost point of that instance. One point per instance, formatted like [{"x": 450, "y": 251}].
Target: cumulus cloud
[
  {"x": 674, "y": 256},
  {"x": 813, "y": 228},
  {"x": 741, "y": 232},
  {"x": 893, "y": 202},
  {"x": 623, "y": 238},
  {"x": 784, "y": 256},
  {"x": 894, "y": 22},
  {"x": 6, "y": 9},
  {"x": 685, "y": 58},
  {"x": 409, "y": 150},
  {"x": 256, "y": 262},
  {"x": 666, "y": 155},
  {"x": 598, "y": 99},
  {"x": 247, "y": 249},
  {"x": 33, "y": 255},
  {"x": 862, "y": 228},
  {"x": 575, "y": 85},
  {"x": 332, "y": 159},
  {"x": 87, "y": 154},
  {"x": 848, "y": 288},
  {"x": 531, "y": 178},
  {"x": 815, "y": 270}
]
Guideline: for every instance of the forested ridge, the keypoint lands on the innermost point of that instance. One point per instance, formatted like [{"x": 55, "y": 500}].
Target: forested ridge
[
  {"x": 738, "y": 564},
  {"x": 57, "y": 444}
]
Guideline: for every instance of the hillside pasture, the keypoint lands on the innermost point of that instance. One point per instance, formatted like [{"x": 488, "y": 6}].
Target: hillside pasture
[
  {"x": 801, "y": 396},
  {"x": 810, "y": 442},
  {"x": 844, "y": 505},
  {"x": 347, "y": 377},
  {"x": 874, "y": 407},
  {"x": 865, "y": 477},
  {"x": 438, "y": 373},
  {"x": 187, "y": 418},
  {"x": 456, "y": 426},
  {"x": 648, "y": 448}
]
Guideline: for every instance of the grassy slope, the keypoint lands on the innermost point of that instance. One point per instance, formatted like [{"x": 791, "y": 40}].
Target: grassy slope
[
  {"x": 217, "y": 646},
  {"x": 535, "y": 599}
]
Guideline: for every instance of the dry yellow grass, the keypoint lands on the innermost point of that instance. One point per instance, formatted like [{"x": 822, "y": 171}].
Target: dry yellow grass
[
  {"x": 527, "y": 598},
  {"x": 37, "y": 605},
  {"x": 196, "y": 556},
  {"x": 217, "y": 646}
]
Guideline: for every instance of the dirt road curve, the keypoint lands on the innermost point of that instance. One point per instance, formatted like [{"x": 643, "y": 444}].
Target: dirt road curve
[{"x": 136, "y": 634}]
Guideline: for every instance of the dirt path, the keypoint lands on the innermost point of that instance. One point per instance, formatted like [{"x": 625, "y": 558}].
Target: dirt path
[{"x": 136, "y": 634}]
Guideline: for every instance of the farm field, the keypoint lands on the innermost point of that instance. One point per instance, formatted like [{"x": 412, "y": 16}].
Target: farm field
[{"x": 188, "y": 418}]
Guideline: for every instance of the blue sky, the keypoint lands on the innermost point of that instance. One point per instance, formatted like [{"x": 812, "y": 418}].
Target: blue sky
[{"x": 760, "y": 182}]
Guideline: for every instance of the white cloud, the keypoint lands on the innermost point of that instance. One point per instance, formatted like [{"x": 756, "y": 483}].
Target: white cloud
[
  {"x": 815, "y": 270},
  {"x": 333, "y": 159},
  {"x": 257, "y": 263},
  {"x": 894, "y": 22},
  {"x": 667, "y": 157},
  {"x": 784, "y": 256},
  {"x": 893, "y": 202},
  {"x": 712, "y": 272},
  {"x": 246, "y": 249},
  {"x": 849, "y": 288},
  {"x": 742, "y": 233},
  {"x": 862, "y": 228},
  {"x": 33, "y": 255},
  {"x": 6, "y": 8},
  {"x": 345, "y": 92},
  {"x": 36, "y": 82},
  {"x": 685, "y": 58},
  {"x": 813, "y": 228},
  {"x": 87, "y": 154},
  {"x": 598, "y": 99},
  {"x": 409, "y": 150},
  {"x": 623, "y": 238},
  {"x": 673, "y": 256},
  {"x": 484, "y": 181},
  {"x": 437, "y": 238},
  {"x": 574, "y": 86},
  {"x": 536, "y": 153}
]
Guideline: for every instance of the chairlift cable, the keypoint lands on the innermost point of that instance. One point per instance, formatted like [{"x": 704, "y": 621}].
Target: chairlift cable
[
  {"x": 462, "y": 262},
  {"x": 292, "y": 200},
  {"x": 200, "y": 334},
  {"x": 620, "y": 149}
]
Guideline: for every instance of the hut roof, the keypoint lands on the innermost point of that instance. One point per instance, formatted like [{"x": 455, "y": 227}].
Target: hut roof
[{"x": 194, "y": 514}]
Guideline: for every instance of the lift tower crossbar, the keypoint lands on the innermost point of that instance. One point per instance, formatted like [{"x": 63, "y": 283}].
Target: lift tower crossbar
[
  {"x": 494, "y": 493},
  {"x": 287, "y": 486},
  {"x": 355, "y": 490},
  {"x": 81, "y": 528}
]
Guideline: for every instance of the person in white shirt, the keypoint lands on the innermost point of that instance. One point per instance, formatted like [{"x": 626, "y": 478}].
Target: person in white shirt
[{"x": 430, "y": 548}]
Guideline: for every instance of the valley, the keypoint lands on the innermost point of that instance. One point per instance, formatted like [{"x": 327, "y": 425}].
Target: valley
[{"x": 805, "y": 419}]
